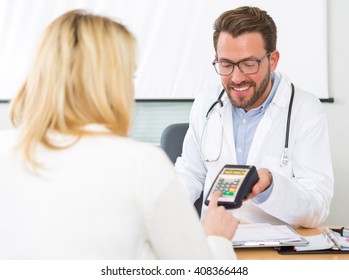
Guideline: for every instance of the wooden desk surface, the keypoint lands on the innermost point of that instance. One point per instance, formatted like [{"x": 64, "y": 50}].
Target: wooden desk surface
[{"x": 271, "y": 254}]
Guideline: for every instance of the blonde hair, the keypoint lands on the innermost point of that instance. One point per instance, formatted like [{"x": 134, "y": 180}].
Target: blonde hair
[{"x": 82, "y": 74}]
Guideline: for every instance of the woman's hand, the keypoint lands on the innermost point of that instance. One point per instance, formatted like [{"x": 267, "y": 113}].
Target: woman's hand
[{"x": 218, "y": 220}]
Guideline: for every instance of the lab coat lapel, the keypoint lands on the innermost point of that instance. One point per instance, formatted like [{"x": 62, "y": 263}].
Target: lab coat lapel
[
  {"x": 228, "y": 136},
  {"x": 280, "y": 101}
]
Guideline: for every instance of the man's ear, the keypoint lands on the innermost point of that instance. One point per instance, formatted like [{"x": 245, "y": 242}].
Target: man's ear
[{"x": 274, "y": 59}]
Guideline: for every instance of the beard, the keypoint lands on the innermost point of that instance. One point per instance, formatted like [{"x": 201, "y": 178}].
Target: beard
[{"x": 258, "y": 92}]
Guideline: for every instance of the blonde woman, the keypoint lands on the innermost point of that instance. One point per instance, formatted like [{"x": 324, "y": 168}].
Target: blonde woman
[{"x": 73, "y": 186}]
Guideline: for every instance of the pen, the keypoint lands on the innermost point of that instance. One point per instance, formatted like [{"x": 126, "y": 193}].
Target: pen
[
  {"x": 345, "y": 232},
  {"x": 333, "y": 238},
  {"x": 342, "y": 231}
]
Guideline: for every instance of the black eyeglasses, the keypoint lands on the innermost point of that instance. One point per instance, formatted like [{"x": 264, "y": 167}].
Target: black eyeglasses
[{"x": 246, "y": 66}]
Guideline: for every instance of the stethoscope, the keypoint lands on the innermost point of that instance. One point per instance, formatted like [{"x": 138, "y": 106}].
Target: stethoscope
[{"x": 284, "y": 156}]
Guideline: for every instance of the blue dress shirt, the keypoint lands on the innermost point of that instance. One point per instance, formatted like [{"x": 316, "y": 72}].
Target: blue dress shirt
[{"x": 245, "y": 125}]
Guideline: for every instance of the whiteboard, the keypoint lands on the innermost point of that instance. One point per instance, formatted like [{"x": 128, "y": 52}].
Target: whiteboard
[{"x": 174, "y": 39}]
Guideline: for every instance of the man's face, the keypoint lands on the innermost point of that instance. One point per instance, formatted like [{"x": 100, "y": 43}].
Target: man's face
[{"x": 246, "y": 91}]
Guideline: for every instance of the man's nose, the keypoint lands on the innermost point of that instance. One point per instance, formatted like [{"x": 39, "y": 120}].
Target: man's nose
[{"x": 237, "y": 76}]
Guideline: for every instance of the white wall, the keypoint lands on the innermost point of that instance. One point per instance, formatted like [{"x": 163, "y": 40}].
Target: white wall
[
  {"x": 174, "y": 30},
  {"x": 4, "y": 116},
  {"x": 338, "y": 112}
]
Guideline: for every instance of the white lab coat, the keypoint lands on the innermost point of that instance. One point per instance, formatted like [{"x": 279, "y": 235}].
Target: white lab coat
[{"x": 302, "y": 190}]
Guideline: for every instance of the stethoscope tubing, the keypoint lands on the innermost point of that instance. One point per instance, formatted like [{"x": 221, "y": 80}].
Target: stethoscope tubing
[
  {"x": 284, "y": 157},
  {"x": 289, "y": 117},
  {"x": 214, "y": 104}
]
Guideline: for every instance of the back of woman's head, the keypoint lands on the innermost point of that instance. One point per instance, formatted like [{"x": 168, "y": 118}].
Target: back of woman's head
[{"x": 82, "y": 74}]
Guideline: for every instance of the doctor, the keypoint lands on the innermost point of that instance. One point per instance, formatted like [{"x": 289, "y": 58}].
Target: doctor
[{"x": 259, "y": 118}]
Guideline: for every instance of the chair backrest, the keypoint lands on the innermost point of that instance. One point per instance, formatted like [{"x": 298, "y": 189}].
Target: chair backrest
[{"x": 171, "y": 142}]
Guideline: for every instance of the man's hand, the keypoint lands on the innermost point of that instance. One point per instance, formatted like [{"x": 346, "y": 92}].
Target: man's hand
[{"x": 264, "y": 182}]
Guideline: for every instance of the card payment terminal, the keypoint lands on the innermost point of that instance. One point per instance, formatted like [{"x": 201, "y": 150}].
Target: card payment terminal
[{"x": 235, "y": 183}]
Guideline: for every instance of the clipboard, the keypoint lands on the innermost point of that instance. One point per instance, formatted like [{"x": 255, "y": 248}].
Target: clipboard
[
  {"x": 261, "y": 235},
  {"x": 328, "y": 242},
  {"x": 291, "y": 251}
]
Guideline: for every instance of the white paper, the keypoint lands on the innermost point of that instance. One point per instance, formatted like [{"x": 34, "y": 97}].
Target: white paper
[
  {"x": 316, "y": 242},
  {"x": 323, "y": 242},
  {"x": 264, "y": 232}
]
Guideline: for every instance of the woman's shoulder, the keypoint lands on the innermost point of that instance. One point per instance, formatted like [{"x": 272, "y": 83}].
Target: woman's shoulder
[
  {"x": 148, "y": 151},
  {"x": 131, "y": 148}
]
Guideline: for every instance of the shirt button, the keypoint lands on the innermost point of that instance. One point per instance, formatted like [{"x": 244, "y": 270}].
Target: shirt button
[
  {"x": 244, "y": 120},
  {"x": 239, "y": 150}
]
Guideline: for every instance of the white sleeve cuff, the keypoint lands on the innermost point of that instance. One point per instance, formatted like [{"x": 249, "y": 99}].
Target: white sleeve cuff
[{"x": 221, "y": 248}]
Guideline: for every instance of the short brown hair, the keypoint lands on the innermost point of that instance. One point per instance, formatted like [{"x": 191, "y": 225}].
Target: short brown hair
[{"x": 245, "y": 20}]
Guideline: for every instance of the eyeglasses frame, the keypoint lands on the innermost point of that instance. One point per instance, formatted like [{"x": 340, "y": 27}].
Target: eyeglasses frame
[{"x": 258, "y": 60}]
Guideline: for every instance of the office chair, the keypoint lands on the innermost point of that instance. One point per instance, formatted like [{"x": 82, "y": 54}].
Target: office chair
[{"x": 171, "y": 142}]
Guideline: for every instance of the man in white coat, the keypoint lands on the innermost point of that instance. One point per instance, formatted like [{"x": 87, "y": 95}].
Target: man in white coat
[{"x": 244, "y": 122}]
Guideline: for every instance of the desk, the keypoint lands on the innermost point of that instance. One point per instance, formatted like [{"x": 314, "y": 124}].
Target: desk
[{"x": 271, "y": 254}]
